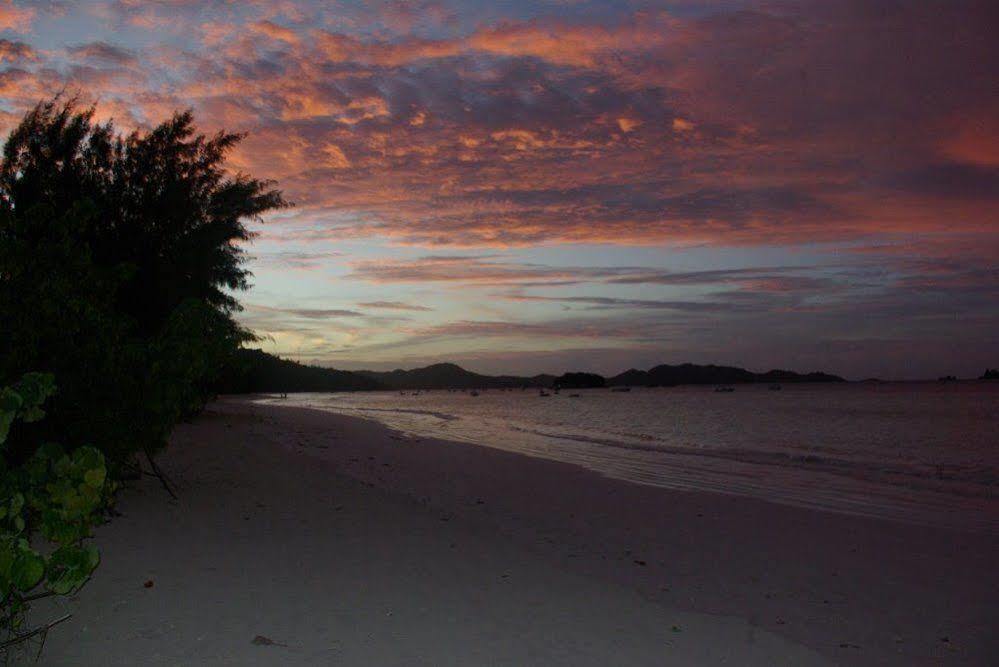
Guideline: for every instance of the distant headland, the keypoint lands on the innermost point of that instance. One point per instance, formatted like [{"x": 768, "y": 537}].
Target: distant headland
[{"x": 255, "y": 371}]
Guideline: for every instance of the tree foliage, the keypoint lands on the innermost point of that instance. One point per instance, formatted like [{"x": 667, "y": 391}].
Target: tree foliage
[{"x": 119, "y": 257}]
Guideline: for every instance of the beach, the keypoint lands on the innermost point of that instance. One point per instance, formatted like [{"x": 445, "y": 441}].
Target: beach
[{"x": 304, "y": 537}]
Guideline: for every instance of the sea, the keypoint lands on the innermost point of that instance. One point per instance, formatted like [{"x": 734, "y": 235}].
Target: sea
[{"x": 924, "y": 453}]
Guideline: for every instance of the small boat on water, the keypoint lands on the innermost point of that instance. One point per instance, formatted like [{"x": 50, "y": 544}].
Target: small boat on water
[
  {"x": 621, "y": 389},
  {"x": 573, "y": 395},
  {"x": 775, "y": 387},
  {"x": 473, "y": 393},
  {"x": 724, "y": 390},
  {"x": 542, "y": 393}
]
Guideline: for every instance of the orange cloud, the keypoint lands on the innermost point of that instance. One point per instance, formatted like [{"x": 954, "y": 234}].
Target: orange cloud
[
  {"x": 275, "y": 31},
  {"x": 12, "y": 52},
  {"x": 12, "y": 17},
  {"x": 646, "y": 129}
]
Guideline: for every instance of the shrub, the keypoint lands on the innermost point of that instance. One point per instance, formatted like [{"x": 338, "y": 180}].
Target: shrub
[
  {"x": 56, "y": 495},
  {"x": 118, "y": 259}
]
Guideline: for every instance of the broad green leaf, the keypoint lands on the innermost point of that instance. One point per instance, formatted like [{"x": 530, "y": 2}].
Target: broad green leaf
[
  {"x": 95, "y": 477},
  {"x": 35, "y": 388},
  {"x": 72, "y": 566},
  {"x": 10, "y": 401},
  {"x": 63, "y": 466},
  {"x": 32, "y": 414},
  {"x": 93, "y": 557},
  {"x": 27, "y": 570}
]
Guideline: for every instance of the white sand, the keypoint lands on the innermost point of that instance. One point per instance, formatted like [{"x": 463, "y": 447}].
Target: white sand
[{"x": 347, "y": 544}]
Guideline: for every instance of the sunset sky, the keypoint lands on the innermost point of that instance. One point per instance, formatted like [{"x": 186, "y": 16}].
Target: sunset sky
[{"x": 542, "y": 186}]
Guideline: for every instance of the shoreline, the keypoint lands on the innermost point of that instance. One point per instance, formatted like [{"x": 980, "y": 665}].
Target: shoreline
[
  {"x": 851, "y": 589},
  {"x": 891, "y": 490}
]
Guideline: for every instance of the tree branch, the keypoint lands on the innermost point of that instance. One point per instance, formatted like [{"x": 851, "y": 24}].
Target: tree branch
[{"x": 28, "y": 635}]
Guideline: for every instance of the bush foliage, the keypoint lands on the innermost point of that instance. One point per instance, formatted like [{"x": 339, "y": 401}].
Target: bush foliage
[
  {"x": 55, "y": 494},
  {"x": 119, "y": 256}
]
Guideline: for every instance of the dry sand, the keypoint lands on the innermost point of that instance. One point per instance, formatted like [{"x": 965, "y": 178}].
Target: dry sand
[{"x": 344, "y": 543}]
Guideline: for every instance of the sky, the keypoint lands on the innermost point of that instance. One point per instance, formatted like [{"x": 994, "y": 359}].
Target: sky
[{"x": 562, "y": 185}]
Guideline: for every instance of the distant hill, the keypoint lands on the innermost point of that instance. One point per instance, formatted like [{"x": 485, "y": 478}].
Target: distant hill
[
  {"x": 255, "y": 371},
  {"x": 668, "y": 376},
  {"x": 580, "y": 381},
  {"x": 451, "y": 376},
  {"x": 791, "y": 376}
]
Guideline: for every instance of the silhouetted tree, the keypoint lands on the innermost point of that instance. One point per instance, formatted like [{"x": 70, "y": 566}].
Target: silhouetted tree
[{"x": 118, "y": 259}]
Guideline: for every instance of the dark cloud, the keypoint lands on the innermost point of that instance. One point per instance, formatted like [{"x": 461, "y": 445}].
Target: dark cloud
[
  {"x": 12, "y": 51},
  {"x": 951, "y": 180},
  {"x": 103, "y": 52},
  {"x": 706, "y": 277},
  {"x": 321, "y": 313},
  {"x": 394, "y": 305},
  {"x": 297, "y": 260},
  {"x": 613, "y": 303},
  {"x": 269, "y": 312},
  {"x": 482, "y": 270}
]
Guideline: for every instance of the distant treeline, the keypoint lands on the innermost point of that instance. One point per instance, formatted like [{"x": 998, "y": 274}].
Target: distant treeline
[{"x": 256, "y": 371}]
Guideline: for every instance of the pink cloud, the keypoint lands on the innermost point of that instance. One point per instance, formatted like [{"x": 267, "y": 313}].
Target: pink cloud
[
  {"x": 13, "y": 51},
  {"x": 738, "y": 128},
  {"x": 15, "y": 18}
]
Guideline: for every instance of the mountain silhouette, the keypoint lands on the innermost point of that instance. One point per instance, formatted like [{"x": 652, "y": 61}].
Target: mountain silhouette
[
  {"x": 451, "y": 376},
  {"x": 255, "y": 371},
  {"x": 669, "y": 376}
]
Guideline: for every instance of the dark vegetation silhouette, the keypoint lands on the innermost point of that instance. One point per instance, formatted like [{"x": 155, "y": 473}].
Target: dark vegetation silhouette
[
  {"x": 119, "y": 256},
  {"x": 667, "y": 376},
  {"x": 255, "y": 371},
  {"x": 451, "y": 376},
  {"x": 260, "y": 372},
  {"x": 580, "y": 381},
  {"x": 990, "y": 374}
]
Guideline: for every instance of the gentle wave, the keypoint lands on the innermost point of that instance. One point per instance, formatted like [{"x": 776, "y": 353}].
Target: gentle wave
[
  {"x": 430, "y": 413},
  {"x": 938, "y": 478},
  {"x": 984, "y": 479},
  {"x": 910, "y": 454}
]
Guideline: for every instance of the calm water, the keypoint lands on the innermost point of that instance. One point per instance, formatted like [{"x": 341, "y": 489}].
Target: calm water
[{"x": 927, "y": 453}]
